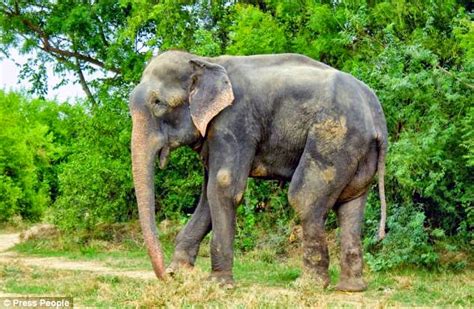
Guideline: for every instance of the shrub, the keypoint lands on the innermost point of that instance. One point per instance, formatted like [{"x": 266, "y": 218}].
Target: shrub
[
  {"x": 407, "y": 243},
  {"x": 95, "y": 183},
  {"x": 26, "y": 149},
  {"x": 263, "y": 219}
]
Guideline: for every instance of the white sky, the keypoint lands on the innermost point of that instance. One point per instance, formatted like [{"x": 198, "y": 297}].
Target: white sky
[{"x": 9, "y": 80}]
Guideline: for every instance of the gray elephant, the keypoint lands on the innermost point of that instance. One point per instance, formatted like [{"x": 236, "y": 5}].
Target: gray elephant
[{"x": 283, "y": 117}]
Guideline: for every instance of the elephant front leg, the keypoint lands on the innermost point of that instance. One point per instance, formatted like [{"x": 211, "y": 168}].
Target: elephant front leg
[
  {"x": 225, "y": 192},
  {"x": 229, "y": 164},
  {"x": 350, "y": 216},
  {"x": 189, "y": 239}
]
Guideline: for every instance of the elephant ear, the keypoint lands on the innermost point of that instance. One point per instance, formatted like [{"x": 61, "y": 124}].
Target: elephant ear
[{"x": 211, "y": 92}]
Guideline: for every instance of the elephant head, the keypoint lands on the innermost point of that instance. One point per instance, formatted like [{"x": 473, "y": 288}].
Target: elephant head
[{"x": 178, "y": 95}]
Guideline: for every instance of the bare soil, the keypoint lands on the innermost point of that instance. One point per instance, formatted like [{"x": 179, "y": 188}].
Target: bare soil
[{"x": 7, "y": 241}]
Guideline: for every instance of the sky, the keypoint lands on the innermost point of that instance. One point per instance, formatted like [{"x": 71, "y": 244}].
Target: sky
[{"x": 9, "y": 80}]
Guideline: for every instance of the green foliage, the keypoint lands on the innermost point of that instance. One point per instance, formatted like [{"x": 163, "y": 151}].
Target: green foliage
[
  {"x": 95, "y": 184},
  {"x": 427, "y": 114},
  {"x": 255, "y": 32},
  {"x": 179, "y": 185},
  {"x": 417, "y": 56},
  {"x": 406, "y": 244},
  {"x": 468, "y": 136},
  {"x": 264, "y": 216},
  {"x": 31, "y": 142}
]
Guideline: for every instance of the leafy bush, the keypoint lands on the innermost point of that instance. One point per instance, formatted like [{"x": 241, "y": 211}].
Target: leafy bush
[
  {"x": 264, "y": 216},
  {"x": 429, "y": 181},
  {"x": 95, "y": 183},
  {"x": 178, "y": 186},
  {"x": 427, "y": 115},
  {"x": 29, "y": 146},
  {"x": 407, "y": 243}
]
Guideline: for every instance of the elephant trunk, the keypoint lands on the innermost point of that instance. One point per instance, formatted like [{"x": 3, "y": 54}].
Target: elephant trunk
[{"x": 144, "y": 148}]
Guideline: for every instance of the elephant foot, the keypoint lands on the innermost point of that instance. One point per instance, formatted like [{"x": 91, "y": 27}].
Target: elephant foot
[
  {"x": 352, "y": 285},
  {"x": 313, "y": 280},
  {"x": 318, "y": 275},
  {"x": 174, "y": 267},
  {"x": 224, "y": 278},
  {"x": 322, "y": 281},
  {"x": 179, "y": 262}
]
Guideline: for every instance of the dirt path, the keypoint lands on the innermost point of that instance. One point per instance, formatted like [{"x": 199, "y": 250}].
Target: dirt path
[{"x": 7, "y": 241}]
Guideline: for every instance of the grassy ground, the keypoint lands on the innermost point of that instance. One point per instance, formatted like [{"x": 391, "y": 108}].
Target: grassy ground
[{"x": 263, "y": 279}]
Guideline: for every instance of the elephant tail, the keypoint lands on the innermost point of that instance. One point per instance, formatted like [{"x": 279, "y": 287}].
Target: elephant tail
[{"x": 382, "y": 150}]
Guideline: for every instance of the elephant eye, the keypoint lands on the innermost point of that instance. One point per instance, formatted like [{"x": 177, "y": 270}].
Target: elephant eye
[
  {"x": 157, "y": 101},
  {"x": 194, "y": 80}
]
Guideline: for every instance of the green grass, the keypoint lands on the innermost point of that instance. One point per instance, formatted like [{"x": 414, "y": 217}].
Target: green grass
[{"x": 263, "y": 279}]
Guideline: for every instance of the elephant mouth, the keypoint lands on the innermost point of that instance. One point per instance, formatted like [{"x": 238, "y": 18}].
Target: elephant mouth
[{"x": 164, "y": 154}]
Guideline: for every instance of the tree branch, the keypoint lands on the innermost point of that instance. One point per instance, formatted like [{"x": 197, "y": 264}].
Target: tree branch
[
  {"x": 83, "y": 82},
  {"x": 66, "y": 53},
  {"x": 49, "y": 48},
  {"x": 79, "y": 72},
  {"x": 101, "y": 32},
  {"x": 455, "y": 77}
]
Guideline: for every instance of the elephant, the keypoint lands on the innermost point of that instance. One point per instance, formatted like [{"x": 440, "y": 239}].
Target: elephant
[{"x": 284, "y": 117}]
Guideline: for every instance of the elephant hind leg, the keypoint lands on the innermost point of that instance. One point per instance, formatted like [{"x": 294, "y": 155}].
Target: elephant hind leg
[
  {"x": 360, "y": 182},
  {"x": 350, "y": 211},
  {"x": 350, "y": 215},
  {"x": 313, "y": 190},
  {"x": 315, "y": 249}
]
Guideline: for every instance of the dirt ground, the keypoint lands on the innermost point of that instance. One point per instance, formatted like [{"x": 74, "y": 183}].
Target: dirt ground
[{"x": 8, "y": 240}]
